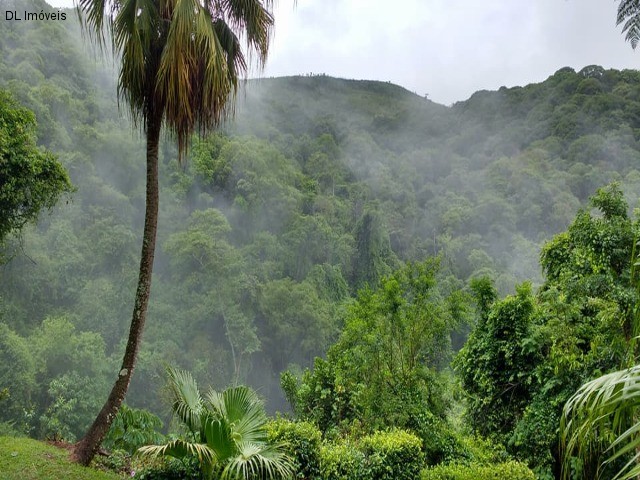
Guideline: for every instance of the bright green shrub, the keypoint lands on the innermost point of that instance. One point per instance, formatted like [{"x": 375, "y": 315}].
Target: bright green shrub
[
  {"x": 501, "y": 471},
  {"x": 394, "y": 455},
  {"x": 341, "y": 461},
  {"x": 301, "y": 441}
]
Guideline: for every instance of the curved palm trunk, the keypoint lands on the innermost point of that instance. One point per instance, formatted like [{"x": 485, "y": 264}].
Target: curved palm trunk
[{"x": 87, "y": 447}]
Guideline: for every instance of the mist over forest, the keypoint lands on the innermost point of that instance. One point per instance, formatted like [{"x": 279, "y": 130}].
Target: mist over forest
[{"x": 318, "y": 188}]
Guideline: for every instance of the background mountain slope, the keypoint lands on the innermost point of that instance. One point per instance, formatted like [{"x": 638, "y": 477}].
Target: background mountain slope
[{"x": 318, "y": 187}]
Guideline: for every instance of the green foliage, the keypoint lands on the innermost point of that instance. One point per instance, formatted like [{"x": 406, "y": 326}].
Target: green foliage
[
  {"x": 317, "y": 187},
  {"x": 439, "y": 440},
  {"x": 511, "y": 470},
  {"x": 225, "y": 432},
  {"x": 131, "y": 429},
  {"x": 373, "y": 251},
  {"x": 393, "y": 455},
  {"x": 474, "y": 450},
  {"x": 117, "y": 461},
  {"x": 60, "y": 418},
  {"x": 382, "y": 371},
  {"x": 393, "y": 340},
  {"x": 341, "y": 461},
  {"x": 167, "y": 469},
  {"x": 320, "y": 396},
  {"x": 70, "y": 373},
  {"x": 17, "y": 375},
  {"x": 600, "y": 424},
  {"x": 298, "y": 320},
  {"x": 31, "y": 179},
  {"x": 301, "y": 441},
  {"x": 527, "y": 355},
  {"x": 495, "y": 365}
]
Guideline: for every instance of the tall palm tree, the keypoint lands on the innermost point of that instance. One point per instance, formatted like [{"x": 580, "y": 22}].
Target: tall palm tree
[
  {"x": 226, "y": 432},
  {"x": 180, "y": 65}
]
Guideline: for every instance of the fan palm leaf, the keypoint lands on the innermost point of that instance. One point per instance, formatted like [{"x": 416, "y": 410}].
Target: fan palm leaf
[
  {"x": 256, "y": 460},
  {"x": 180, "y": 449},
  {"x": 187, "y": 403},
  {"x": 243, "y": 409},
  {"x": 229, "y": 430},
  {"x": 219, "y": 438}
]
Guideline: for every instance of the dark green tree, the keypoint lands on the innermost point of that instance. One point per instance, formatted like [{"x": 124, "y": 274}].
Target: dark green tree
[
  {"x": 31, "y": 179},
  {"x": 374, "y": 258}
]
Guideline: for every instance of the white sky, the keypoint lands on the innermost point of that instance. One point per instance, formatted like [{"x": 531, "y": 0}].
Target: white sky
[{"x": 444, "y": 48}]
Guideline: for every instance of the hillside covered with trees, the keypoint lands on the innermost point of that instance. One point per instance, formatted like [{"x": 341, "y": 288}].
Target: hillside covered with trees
[{"x": 302, "y": 246}]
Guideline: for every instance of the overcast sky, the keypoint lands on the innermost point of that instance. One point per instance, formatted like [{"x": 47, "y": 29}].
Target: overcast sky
[{"x": 445, "y": 48}]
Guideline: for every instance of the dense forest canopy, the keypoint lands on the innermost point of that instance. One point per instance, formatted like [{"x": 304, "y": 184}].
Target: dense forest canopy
[{"x": 286, "y": 221}]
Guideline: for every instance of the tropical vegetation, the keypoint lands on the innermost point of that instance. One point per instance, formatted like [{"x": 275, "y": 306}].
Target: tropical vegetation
[
  {"x": 225, "y": 432},
  {"x": 418, "y": 289}
]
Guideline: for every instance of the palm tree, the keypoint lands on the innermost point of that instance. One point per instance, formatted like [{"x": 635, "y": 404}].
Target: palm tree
[
  {"x": 180, "y": 65},
  {"x": 226, "y": 432}
]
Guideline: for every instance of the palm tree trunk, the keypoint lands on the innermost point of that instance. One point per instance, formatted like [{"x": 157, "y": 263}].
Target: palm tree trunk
[{"x": 87, "y": 447}]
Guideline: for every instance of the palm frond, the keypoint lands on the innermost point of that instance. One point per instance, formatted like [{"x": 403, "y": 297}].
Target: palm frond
[
  {"x": 181, "y": 59},
  {"x": 254, "y": 18},
  {"x": 243, "y": 409},
  {"x": 186, "y": 400},
  {"x": 258, "y": 461},
  {"x": 193, "y": 82},
  {"x": 133, "y": 30},
  {"x": 601, "y": 419},
  {"x": 220, "y": 438},
  {"x": 230, "y": 44},
  {"x": 95, "y": 18},
  {"x": 629, "y": 17},
  {"x": 180, "y": 449}
]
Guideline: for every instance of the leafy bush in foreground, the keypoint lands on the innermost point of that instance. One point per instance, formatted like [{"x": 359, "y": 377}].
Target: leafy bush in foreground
[
  {"x": 393, "y": 455},
  {"x": 502, "y": 471},
  {"x": 301, "y": 441}
]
